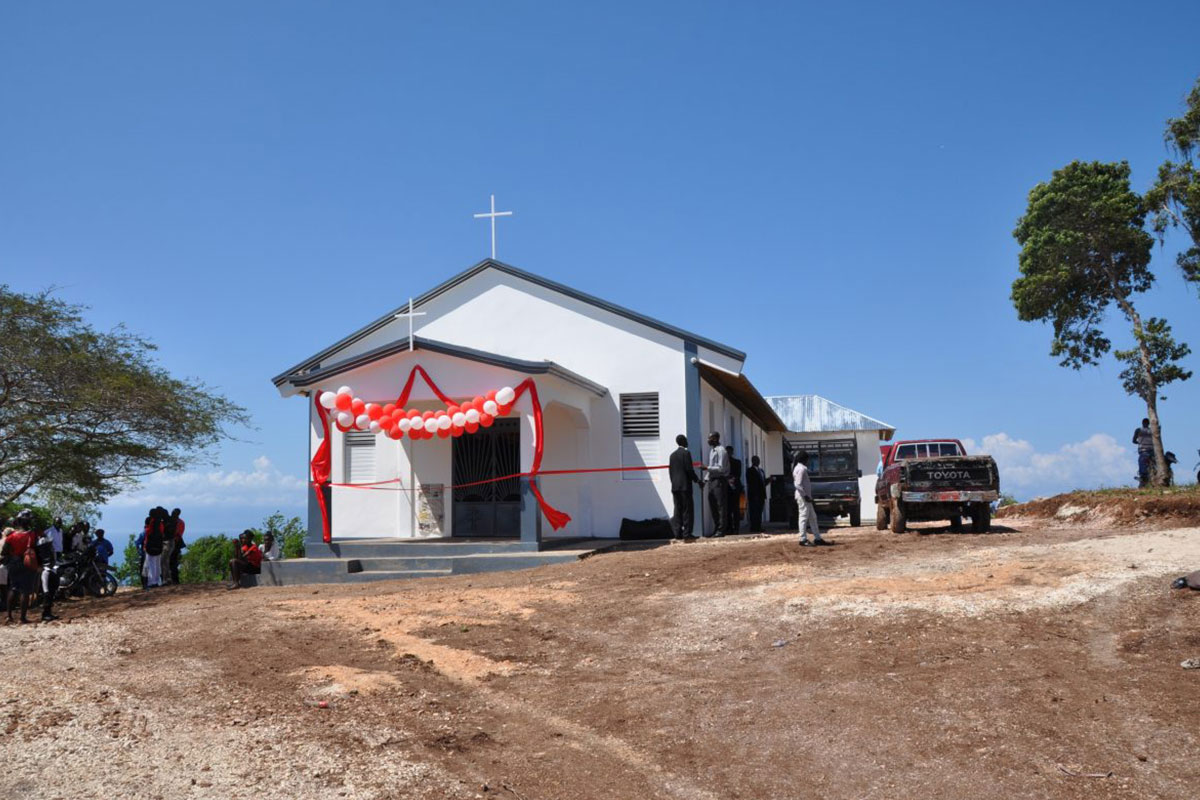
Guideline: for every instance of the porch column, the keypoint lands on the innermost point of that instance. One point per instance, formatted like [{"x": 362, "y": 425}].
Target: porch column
[
  {"x": 531, "y": 517},
  {"x": 694, "y": 433}
]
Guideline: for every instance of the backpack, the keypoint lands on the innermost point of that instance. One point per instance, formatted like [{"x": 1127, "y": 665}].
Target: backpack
[{"x": 154, "y": 538}]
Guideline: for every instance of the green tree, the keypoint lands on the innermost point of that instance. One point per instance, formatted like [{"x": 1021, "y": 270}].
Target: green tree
[
  {"x": 85, "y": 413},
  {"x": 1084, "y": 248},
  {"x": 1175, "y": 197},
  {"x": 131, "y": 559}
]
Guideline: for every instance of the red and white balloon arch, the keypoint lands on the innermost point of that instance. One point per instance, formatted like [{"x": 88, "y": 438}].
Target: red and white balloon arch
[{"x": 351, "y": 413}]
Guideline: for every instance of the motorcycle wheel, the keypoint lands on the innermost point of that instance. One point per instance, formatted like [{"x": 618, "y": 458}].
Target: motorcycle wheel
[
  {"x": 93, "y": 585},
  {"x": 110, "y": 584}
]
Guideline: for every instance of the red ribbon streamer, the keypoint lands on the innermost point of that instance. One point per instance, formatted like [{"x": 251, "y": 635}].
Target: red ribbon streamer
[{"x": 321, "y": 460}]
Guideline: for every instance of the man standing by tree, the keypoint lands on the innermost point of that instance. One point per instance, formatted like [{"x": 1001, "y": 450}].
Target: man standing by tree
[
  {"x": 1084, "y": 247},
  {"x": 1145, "y": 450}
]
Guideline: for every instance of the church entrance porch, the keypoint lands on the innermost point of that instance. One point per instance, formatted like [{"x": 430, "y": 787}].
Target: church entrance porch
[{"x": 491, "y": 509}]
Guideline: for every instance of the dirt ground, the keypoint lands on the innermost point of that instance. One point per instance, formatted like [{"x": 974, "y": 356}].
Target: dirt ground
[{"x": 1019, "y": 663}]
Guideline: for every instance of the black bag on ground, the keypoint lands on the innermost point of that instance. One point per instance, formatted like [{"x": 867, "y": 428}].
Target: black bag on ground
[{"x": 645, "y": 529}]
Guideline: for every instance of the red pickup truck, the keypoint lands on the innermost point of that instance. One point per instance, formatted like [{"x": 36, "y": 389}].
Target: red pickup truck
[{"x": 935, "y": 479}]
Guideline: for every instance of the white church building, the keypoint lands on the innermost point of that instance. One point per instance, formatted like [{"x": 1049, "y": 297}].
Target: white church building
[{"x": 615, "y": 388}]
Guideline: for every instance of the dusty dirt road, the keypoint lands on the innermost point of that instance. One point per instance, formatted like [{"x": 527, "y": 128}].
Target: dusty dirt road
[{"x": 1013, "y": 664}]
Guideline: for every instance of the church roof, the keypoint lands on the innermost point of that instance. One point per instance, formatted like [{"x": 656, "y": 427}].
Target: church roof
[
  {"x": 489, "y": 263},
  {"x": 317, "y": 376},
  {"x": 811, "y": 413}
]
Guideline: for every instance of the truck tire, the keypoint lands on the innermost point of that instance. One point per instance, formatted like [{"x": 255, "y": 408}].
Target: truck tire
[
  {"x": 981, "y": 518},
  {"x": 856, "y": 516},
  {"x": 897, "y": 520},
  {"x": 956, "y": 524},
  {"x": 881, "y": 516}
]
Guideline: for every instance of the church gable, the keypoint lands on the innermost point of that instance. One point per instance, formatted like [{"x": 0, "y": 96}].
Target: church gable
[{"x": 499, "y": 308}]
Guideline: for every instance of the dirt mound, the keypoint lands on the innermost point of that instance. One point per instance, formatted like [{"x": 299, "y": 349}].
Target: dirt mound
[{"x": 1175, "y": 507}]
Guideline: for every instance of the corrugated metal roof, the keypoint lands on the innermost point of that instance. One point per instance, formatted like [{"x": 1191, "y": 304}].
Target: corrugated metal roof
[{"x": 811, "y": 413}]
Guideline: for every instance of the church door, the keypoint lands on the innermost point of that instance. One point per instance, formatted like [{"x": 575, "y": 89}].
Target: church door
[{"x": 489, "y": 509}]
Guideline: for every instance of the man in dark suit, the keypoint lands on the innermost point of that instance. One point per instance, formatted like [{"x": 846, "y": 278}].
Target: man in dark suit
[
  {"x": 683, "y": 475},
  {"x": 735, "y": 492},
  {"x": 756, "y": 494}
]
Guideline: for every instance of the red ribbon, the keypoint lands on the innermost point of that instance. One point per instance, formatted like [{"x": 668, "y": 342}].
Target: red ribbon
[{"x": 321, "y": 460}]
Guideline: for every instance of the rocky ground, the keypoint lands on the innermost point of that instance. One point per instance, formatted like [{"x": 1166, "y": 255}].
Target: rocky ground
[{"x": 1041, "y": 660}]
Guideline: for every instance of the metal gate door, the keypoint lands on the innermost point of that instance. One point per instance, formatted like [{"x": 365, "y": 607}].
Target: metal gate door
[{"x": 489, "y": 509}]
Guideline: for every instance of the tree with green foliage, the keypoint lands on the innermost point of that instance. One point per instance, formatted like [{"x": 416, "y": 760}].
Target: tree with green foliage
[
  {"x": 84, "y": 414},
  {"x": 131, "y": 561},
  {"x": 206, "y": 560},
  {"x": 1084, "y": 248},
  {"x": 1175, "y": 197}
]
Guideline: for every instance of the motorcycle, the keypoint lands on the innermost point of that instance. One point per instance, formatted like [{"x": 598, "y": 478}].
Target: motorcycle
[
  {"x": 1144, "y": 480},
  {"x": 80, "y": 573}
]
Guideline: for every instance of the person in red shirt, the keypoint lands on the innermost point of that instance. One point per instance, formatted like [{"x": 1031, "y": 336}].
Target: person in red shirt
[
  {"x": 21, "y": 580},
  {"x": 247, "y": 559}
]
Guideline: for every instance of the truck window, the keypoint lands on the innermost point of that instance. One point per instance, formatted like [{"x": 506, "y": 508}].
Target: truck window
[
  {"x": 906, "y": 451},
  {"x": 950, "y": 449}
]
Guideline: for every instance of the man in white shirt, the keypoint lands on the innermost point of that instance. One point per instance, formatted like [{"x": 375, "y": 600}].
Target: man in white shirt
[
  {"x": 804, "y": 503},
  {"x": 55, "y": 533},
  {"x": 270, "y": 548}
]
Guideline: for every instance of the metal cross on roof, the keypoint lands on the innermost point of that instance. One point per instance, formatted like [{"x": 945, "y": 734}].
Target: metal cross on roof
[
  {"x": 410, "y": 314},
  {"x": 493, "y": 214}
]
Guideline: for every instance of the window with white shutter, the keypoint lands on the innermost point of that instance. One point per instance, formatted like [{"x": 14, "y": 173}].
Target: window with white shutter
[
  {"x": 639, "y": 434},
  {"x": 360, "y": 457}
]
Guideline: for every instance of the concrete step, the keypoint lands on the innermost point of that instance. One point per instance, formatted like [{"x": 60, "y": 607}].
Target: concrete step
[
  {"x": 373, "y": 548},
  {"x": 395, "y": 575}
]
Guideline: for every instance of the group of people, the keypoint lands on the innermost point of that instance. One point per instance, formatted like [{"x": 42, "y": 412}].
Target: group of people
[
  {"x": 723, "y": 486},
  {"x": 159, "y": 545},
  {"x": 29, "y": 553},
  {"x": 248, "y": 556}
]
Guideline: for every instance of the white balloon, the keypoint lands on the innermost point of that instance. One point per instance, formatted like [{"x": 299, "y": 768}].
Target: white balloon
[
  {"x": 405, "y": 425},
  {"x": 363, "y": 421},
  {"x": 505, "y": 395},
  {"x": 328, "y": 399},
  {"x": 375, "y": 427},
  {"x": 459, "y": 420},
  {"x": 473, "y": 416},
  {"x": 443, "y": 422},
  {"x": 490, "y": 407},
  {"x": 430, "y": 425},
  {"x": 345, "y": 419},
  {"x": 345, "y": 390}
]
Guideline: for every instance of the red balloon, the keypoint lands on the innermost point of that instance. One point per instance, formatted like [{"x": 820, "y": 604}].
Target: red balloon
[
  {"x": 395, "y": 433},
  {"x": 443, "y": 433},
  {"x": 477, "y": 401},
  {"x": 357, "y": 407},
  {"x": 452, "y": 409},
  {"x": 428, "y": 415},
  {"x": 486, "y": 419},
  {"x": 456, "y": 432},
  {"x": 472, "y": 427},
  {"x": 491, "y": 395},
  {"x": 505, "y": 409},
  {"x": 389, "y": 409},
  {"x": 343, "y": 402},
  {"x": 374, "y": 411}
]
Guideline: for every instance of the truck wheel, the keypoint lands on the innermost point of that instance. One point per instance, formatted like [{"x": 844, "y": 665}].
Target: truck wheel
[
  {"x": 956, "y": 524},
  {"x": 897, "y": 519},
  {"x": 981, "y": 518},
  {"x": 881, "y": 517},
  {"x": 855, "y": 516}
]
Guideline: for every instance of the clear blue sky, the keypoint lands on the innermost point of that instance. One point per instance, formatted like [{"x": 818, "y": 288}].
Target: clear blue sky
[{"x": 830, "y": 187}]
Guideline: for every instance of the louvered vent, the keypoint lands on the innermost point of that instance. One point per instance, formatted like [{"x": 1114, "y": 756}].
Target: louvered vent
[
  {"x": 360, "y": 456},
  {"x": 639, "y": 415}
]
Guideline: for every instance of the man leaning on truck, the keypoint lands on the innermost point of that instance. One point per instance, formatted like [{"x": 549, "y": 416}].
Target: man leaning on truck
[{"x": 804, "y": 502}]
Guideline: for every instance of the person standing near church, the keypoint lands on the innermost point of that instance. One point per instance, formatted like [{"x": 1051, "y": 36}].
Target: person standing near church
[
  {"x": 683, "y": 475},
  {"x": 55, "y": 532},
  {"x": 175, "y": 526},
  {"x": 736, "y": 489},
  {"x": 756, "y": 494},
  {"x": 717, "y": 484},
  {"x": 804, "y": 502}
]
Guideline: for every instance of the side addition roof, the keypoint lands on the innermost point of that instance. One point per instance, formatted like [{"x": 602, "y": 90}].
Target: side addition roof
[
  {"x": 489, "y": 263},
  {"x": 738, "y": 389},
  {"x": 811, "y": 413},
  {"x": 317, "y": 376}
]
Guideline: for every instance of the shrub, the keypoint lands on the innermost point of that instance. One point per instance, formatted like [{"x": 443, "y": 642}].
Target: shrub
[
  {"x": 206, "y": 560},
  {"x": 127, "y": 570}
]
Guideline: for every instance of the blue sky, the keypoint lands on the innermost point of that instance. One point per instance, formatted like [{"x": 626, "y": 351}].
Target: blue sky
[{"x": 830, "y": 187}]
